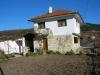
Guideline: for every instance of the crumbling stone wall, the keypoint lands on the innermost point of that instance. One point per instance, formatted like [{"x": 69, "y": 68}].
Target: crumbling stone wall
[{"x": 63, "y": 44}]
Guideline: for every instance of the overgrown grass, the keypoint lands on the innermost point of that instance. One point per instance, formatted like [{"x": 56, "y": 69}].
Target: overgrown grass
[
  {"x": 5, "y": 57},
  {"x": 29, "y": 53}
]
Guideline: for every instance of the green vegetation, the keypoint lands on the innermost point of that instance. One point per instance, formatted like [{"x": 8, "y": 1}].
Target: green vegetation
[
  {"x": 55, "y": 53},
  {"x": 70, "y": 53},
  {"x": 90, "y": 27},
  {"x": 4, "y": 57},
  {"x": 29, "y": 53}
]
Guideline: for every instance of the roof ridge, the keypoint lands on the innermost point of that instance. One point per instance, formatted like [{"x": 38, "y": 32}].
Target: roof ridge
[{"x": 54, "y": 13}]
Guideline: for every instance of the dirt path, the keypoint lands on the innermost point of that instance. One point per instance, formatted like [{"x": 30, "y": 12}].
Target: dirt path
[{"x": 48, "y": 65}]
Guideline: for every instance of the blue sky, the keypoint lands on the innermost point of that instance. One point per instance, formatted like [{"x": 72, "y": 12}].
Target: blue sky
[{"x": 15, "y": 13}]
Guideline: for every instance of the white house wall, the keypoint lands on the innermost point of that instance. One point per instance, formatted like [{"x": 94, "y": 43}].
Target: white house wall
[
  {"x": 72, "y": 27},
  {"x": 35, "y": 26},
  {"x": 76, "y": 26},
  {"x": 11, "y": 46}
]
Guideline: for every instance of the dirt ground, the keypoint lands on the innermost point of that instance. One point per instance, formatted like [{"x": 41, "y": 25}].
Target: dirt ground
[{"x": 51, "y": 65}]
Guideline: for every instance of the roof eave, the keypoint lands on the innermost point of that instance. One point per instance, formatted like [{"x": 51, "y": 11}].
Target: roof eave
[
  {"x": 82, "y": 21},
  {"x": 35, "y": 19}
]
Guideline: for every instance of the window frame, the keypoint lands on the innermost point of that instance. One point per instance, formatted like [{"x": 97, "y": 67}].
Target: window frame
[
  {"x": 76, "y": 40},
  {"x": 41, "y": 25},
  {"x": 60, "y": 22}
]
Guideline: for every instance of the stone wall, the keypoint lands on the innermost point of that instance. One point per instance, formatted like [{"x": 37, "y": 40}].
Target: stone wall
[
  {"x": 63, "y": 43},
  {"x": 38, "y": 46}
]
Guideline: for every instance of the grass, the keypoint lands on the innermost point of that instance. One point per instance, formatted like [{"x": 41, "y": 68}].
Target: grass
[
  {"x": 29, "y": 53},
  {"x": 5, "y": 57}
]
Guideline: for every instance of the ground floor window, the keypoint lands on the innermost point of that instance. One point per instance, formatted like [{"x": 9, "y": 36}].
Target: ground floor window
[{"x": 75, "y": 39}]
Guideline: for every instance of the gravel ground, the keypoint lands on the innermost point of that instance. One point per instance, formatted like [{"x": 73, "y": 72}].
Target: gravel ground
[{"x": 50, "y": 65}]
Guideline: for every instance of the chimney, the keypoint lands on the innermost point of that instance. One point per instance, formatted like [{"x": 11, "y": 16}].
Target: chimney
[{"x": 50, "y": 9}]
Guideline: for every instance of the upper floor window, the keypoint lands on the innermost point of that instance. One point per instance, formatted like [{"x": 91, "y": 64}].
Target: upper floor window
[
  {"x": 41, "y": 25},
  {"x": 62, "y": 23}
]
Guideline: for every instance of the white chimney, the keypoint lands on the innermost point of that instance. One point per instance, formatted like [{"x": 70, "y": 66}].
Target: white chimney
[{"x": 50, "y": 9}]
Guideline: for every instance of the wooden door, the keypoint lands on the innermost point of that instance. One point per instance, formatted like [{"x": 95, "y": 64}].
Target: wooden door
[{"x": 45, "y": 44}]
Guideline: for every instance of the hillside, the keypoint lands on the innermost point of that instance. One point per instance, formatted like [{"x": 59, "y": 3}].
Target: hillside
[
  {"x": 14, "y": 34},
  {"x": 90, "y": 27}
]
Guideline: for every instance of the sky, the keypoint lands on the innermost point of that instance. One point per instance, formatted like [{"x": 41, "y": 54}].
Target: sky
[{"x": 15, "y": 13}]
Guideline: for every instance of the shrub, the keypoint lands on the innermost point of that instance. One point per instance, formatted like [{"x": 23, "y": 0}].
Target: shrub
[
  {"x": 29, "y": 53},
  {"x": 3, "y": 58},
  {"x": 9, "y": 55},
  {"x": 52, "y": 52},
  {"x": 70, "y": 52},
  {"x": 57, "y": 52}
]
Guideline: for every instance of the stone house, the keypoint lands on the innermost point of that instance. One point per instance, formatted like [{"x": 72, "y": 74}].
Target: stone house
[{"x": 58, "y": 30}]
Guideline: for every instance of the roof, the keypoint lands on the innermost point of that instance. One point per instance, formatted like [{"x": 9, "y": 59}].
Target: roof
[
  {"x": 14, "y": 34},
  {"x": 54, "y": 13}
]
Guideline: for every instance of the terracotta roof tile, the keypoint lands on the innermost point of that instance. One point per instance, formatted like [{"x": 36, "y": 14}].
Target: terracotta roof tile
[{"x": 54, "y": 13}]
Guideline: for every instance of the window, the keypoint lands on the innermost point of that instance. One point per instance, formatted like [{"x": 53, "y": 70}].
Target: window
[
  {"x": 75, "y": 40},
  {"x": 41, "y": 25},
  {"x": 62, "y": 23},
  {"x": 19, "y": 42}
]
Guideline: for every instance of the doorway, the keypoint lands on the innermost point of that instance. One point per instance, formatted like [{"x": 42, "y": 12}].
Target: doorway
[
  {"x": 45, "y": 44},
  {"x": 29, "y": 41}
]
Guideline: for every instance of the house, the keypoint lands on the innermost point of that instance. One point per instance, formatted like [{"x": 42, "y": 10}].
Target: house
[
  {"x": 59, "y": 30},
  {"x": 16, "y": 41}
]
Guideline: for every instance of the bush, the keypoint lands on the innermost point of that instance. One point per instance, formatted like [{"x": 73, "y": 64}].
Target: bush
[
  {"x": 52, "y": 52},
  {"x": 3, "y": 58},
  {"x": 29, "y": 53},
  {"x": 70, "y": 52},
  {"x": 9, "y": 55}
]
